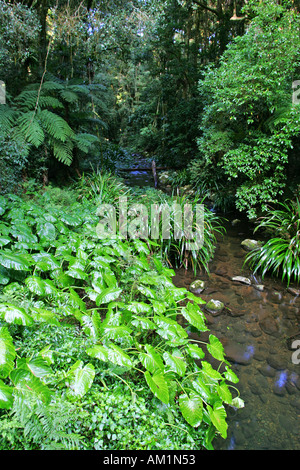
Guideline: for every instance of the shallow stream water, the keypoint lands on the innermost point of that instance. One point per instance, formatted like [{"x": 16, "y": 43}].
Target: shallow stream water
[{"x": 257, "y": 329}]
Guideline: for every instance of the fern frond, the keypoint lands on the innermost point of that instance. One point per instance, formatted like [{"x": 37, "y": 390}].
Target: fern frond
[
  {"x": 55, "y": 125},
  {"x": 79, "y": 88},
  {"x": 84, "y": 141},
  {"x": 50, "y": 102},
  {"x": 46, "y": 425},
  {"x": 28, "y": 127},
  {"x": 26, "y": 100},
  {"x": 63, "y": 151},
  {"x": 52, "y": 85},
  {"x": 7, "y": 117},
  {"x": 69, "y": 96}
]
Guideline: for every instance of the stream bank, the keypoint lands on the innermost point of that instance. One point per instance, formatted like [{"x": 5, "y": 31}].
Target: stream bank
[{"x": 255, "y": 328}]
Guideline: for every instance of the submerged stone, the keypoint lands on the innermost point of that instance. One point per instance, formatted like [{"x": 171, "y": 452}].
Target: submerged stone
[
  {"x": 259, "y": 287},
  {"x": 293, "y": 291},
  {"x": 215, "y": 307},
  {"x": 196, "y": 287}
]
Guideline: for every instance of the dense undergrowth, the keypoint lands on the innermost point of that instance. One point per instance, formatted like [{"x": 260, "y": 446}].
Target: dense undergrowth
[{"x": 92, "y": 355}]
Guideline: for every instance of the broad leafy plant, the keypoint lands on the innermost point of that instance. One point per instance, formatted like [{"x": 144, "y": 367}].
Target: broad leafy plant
[{"x": 120, "y": 296}]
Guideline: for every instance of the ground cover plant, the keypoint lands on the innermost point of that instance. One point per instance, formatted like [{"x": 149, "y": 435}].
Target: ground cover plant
[{"x": 84, "y": 322}]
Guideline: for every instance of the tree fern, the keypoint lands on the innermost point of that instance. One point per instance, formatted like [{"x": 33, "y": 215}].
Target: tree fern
[
  {"x": 55, "y": 125},
  {"x": 34, "y": 118}
]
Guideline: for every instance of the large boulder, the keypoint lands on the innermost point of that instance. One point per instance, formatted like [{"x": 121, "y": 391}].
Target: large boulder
[{"x": 250, "y": 245}]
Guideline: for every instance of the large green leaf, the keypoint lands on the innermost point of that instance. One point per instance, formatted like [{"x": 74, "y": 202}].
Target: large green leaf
[
  {"x": 16, "y": 315},
  {"x": 108, "y": 295},
  {"x": 80, "y": 379},
  {"x": 29, "y": 388},
  {"x": 38, "y": 366},
  {"x": 98, "y": 351},
  {"x": 191, "y": 407},
  {"x": 151, "y": 360},
  {"x": 195, "y": 352},
  {"x": 45, "y": 261},
  {"x": 46, "y": 231},
  {"x": 36, "y": 285},
  {"x": 170, "y": 330},
  {"x": 117, "y": 356},
  {"x": 175, "y": 362},
  {"x": 6, "y": 396},
  {"x": 20, "y": 262},
  {"x": 194, "y": 316},
  {"x": 218, "y": 416},
  {"x": 7, "y": 352},
  {"x": 91, "y": 323},
  {"x": 224, "y": 393},
  {"x": 3, "y": 205},
  {"x": 143, "y": 323},
  {"x": 215, "y": 347},
  {"x": 23, "y": 233},
  {"x": 44, "y": 316},
  {"x": 115, "y": 332},
  {"x": 158, "y": 385},
  {"x": 4, "y": 276}
]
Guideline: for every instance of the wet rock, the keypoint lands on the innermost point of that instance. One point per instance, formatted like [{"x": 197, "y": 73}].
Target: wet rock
[
  {"x": 267, "y": 371},
  {"x": 279, "y": 390},
  {"x": 221, "y": 271},
  {"x": 269, "y": 326},
  {"x": 196, "y": 287},
  {"x": 276, "y": 362},
  {"x": 259, "y": 356},
  {"x": 238, "y": 353},
  {"x": 255, "y": 389},
  {"x": 215, "y": 307},
  {"x": 291, "y": 388},
  {"x": 275, "y": 297},
  {"x": 242, "y": 279},
  {"x": 239, "y": 438},
  {"x": 293, "y": 291},
  {"x": 250, "y": 245},
  {"x": 259, "y": 287},
  {"x": 235, "y": 222},
  {"x": 256, "y": 333}
]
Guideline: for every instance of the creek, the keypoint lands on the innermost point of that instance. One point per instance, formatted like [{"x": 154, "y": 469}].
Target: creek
[{"x": 257, "y": 328}]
